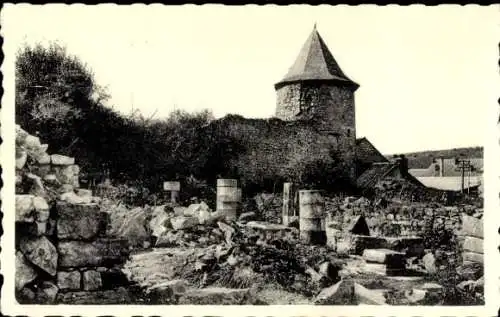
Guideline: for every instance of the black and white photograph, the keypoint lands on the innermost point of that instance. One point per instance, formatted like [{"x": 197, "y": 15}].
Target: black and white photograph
[{"x": 272, "y": 156}]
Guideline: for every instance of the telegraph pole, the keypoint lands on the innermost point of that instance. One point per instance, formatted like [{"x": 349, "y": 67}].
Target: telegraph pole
[{"x": 464, "y": 166}]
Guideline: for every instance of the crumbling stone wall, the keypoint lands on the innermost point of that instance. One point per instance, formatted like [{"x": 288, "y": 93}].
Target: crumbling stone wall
[
  {"x": 61, "y": 242},
  {"x": 276, "y": 149}
]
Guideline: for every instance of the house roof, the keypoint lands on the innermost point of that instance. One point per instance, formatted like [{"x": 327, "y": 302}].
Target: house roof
[
  {"x": 367, "y": 153},
  {"x": 449, "y": 168},
  {"x": 375, "y": 173},
  {"x": 452, "y": 183},
  {"x": 315, "y": 62}
]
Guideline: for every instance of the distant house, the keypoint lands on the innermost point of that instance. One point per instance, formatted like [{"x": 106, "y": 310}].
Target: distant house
[
  {"x": 381, "y": 171},
  {"x": 446, "y": 174}
]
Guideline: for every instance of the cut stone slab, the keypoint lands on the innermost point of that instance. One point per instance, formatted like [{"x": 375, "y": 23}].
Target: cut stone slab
[
  {"x": 391, "y": 258},
  {"x": 341, "y": 293},
  {"x": 472, "y": 226},
  {"x": 24, "y": 208},
  {"x": 68, "y": 280},
  {"x": 266, "y": 226},
  {"x": 368, "y": 296},
  {"x": 473, "y": 245},
  {"x": 84, "y": 192},
  {"x": 102, "y": 252},
  {"x": 91, "y": 280},
  {"x": 181, "y": 222},
  {"x": 215, "y": 296},
  {"x": 41, "y": 252},
  {"x": 46, "y": 293},
  {"x": 25, "y": 273},
  {"x": 57, "y": 159},
  {"x": 472, "y": 257},
  {"x": 80, "y": 222}
]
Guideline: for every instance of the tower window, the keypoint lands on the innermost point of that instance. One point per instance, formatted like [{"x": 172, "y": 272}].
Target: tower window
[{"x": 348, "y": 132}]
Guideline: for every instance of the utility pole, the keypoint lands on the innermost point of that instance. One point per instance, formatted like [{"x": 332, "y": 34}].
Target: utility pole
[{"x": 463, "y": 165}]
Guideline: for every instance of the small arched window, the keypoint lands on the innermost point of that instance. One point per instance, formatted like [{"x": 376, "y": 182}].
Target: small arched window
[{"x": 348, "y": 132}]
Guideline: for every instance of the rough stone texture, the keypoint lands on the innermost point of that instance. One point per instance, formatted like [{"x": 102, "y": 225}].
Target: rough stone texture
[
  {"x": 385, "y": 256},
  {"x": 68, "y": 280},
  {"x": 215, "y": 296},
  {"x": 473, "y": 257},
  {"x": 84, "y": 221},
  {"x": 46, "y": 292},
  {"x": 41, "y": 252},
  {"x": 368, "y": 296},
  {"x": 25, "y": 273},
  {"x": 182, "y": 222},
  {"x": 473, "y": 245},
  {"x": 129, "y": 224},
  {"x": 341, "y": 293},
  {"x": 472, "y": 226},
  {"x": 166, "y": 292},
  {"x": 430, "y": 263},
  {"x": 57, "y": 159},
  {"x": 24, "y": 208},
  {"x": 91, "y": 280},
  {"x": 109, "y": 297},
  {"x": 102, "y": 252},
  {"x": 331, "y": 108}
]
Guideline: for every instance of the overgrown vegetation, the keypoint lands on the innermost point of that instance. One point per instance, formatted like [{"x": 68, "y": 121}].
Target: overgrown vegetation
[{"x": 58, "y": 99}]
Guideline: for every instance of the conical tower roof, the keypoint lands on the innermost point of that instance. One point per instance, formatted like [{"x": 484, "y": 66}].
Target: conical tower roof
[{"x": 315, "y": 63}]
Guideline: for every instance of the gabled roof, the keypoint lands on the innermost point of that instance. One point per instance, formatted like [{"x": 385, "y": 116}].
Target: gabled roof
[
  {"x": 367, "y": 153},
  {"x": 315, "y": 62}
]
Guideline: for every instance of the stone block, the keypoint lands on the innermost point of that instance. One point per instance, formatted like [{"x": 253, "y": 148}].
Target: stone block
[
  {"x": 68, "y": 280},
  {"x": 46, "y": 292},
  {"x": 41, "y": 252},
  {"x": 472, "y": 257},
  {"x": 102, "y": 252},
  {"x": 473, "y": 245},
  {"x": 77, "y": 222},
  {"x": 430, "y": 263},
  {"x": 43, "y": 158},
  {"x": 91, "y": 280},
  {"x": 472, "y": 227},
  {"x": 368, "y": 296},
  {"x": 57, "y": 159},
  {"x": 25, "y": 272},
  {"x": 165, "y": 292},
  {"x": 21, "y": 158},
  {"x": 360, "y": 243},
  {"x": 24, "y": 208},
  {"x": 391, "y": 258},
  {"x": 412, "y": 246},
  {"x": 341, "y": 293},
  {"x": 181, "y": 222}
]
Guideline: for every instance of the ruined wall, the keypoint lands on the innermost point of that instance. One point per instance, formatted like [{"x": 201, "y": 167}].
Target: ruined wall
[
  {"x": 330, "y": 108},
  {"x": 277, "y": 149},
  {"x": 62, "y": 249}
]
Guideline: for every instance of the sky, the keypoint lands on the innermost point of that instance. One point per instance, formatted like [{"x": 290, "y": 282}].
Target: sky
[{"x": 428, "y": 75}]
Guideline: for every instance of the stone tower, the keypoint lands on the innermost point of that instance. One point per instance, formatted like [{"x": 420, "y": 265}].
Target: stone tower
[{"x": 317, "y": 90}]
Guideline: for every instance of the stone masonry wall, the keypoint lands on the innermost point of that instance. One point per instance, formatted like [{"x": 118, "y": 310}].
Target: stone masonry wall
[
  {"x": 61, "y": 241},
  {"x": 330, "y": 108}
]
